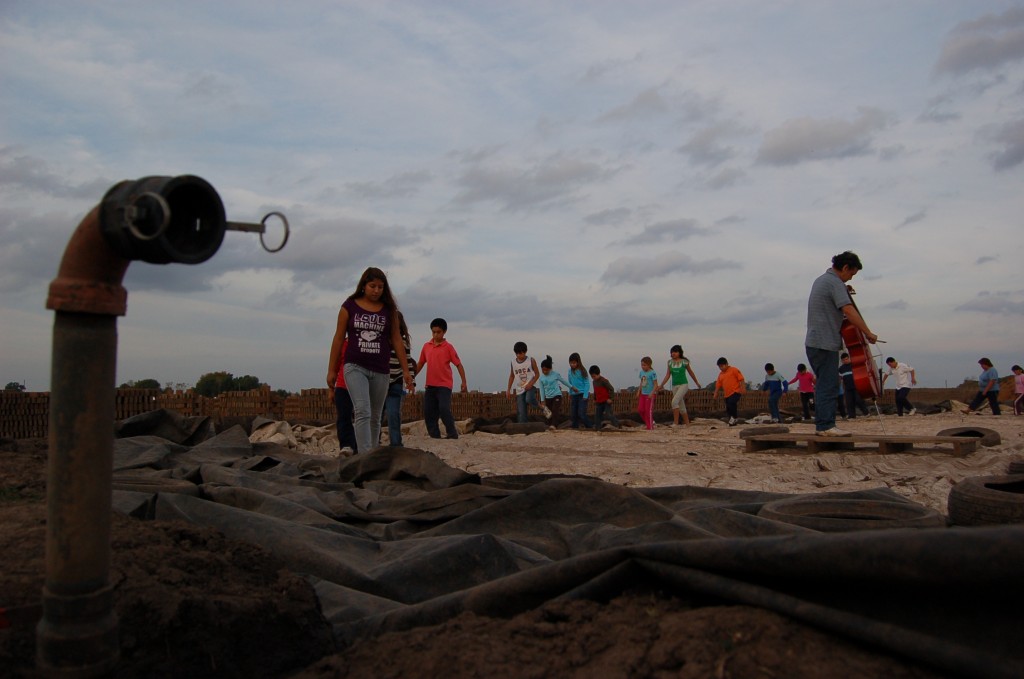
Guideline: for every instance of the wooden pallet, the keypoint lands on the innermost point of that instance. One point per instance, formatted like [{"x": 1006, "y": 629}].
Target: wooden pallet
[{"x": 957, "y": 446}]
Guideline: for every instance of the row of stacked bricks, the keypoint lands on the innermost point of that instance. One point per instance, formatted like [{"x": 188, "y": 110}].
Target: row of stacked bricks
[
  {"x": 311, "y": 405},
  {"x": 24, "y": 415},
  {"x": 131, "y": 402},
  {"x": 260, "y": 402},
  {"x": 186, "y": 403}
]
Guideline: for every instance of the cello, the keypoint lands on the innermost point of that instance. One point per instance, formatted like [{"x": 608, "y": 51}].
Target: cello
[{"x": 865, "y": 373}]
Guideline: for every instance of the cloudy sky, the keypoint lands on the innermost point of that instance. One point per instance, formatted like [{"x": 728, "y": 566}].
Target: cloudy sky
[{"x": 604, "y": 177}]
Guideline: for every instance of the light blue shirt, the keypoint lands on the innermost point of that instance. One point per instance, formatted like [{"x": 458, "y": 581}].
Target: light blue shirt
[
  {"x": 580, "y": 380},
  {"x": 648, "y": 380},
  {"x": 549, "y": 384},
  {"x": 985, "y": 377}
]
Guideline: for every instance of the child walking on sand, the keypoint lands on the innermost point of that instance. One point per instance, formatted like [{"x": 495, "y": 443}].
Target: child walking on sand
[
  {"x": 776, "y": 387},
  {"x": 439, "y": 356},
  {"x": 579, "y": 388},
  {"x": 648, "y": 384},
  {"x": 805, "y": 382},
  {"x": 678, "y": 367},
  {"x": 906, "y": 377},
  {"x": 522, "y": 376},
  {"x": 550, "y": 392},
  {"x": 733, "y": 385},
  {"x": 603, "y": 391}
]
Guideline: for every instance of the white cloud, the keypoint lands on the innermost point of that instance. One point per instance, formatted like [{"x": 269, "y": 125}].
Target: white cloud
[
  {"x": 639, "y": 270},
  {"x": 802, "y": 139},
  {"x": 984, "y": 43}
]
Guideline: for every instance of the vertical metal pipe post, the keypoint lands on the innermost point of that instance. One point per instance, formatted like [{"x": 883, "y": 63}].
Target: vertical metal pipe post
[
  {"x": 77, "y": 636},
  {"x": 78, "y": 633}
]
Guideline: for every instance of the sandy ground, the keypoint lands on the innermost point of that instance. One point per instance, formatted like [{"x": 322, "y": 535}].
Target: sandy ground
[{"x": 710, "y": 453}]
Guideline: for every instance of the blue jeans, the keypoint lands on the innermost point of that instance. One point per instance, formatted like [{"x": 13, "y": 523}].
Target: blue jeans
[
  {"x": 393, "y": 410},
  {"x": 368, "y": 391},
  {"x": 993, "y": 401},
  {"x": 825, "y": 365},
  {"x": 578, "y": 411},
  {"x": 346, "y": 432},
  {"x": 524, "y": 399},
  {"x": 773, "y": 405},
  {"x": 437, "y": 402}
]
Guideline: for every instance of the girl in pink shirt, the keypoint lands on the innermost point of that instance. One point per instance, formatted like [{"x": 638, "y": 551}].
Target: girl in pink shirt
[{"x": 805, "y": 382}]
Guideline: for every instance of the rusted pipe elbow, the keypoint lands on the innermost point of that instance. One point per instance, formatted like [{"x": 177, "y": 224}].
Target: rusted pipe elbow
[
  {"x": 157, "y": 220},
  {"x": 90, "y": 274}
]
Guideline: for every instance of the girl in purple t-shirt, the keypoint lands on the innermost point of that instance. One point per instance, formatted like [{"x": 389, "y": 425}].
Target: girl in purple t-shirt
[{"x": 367, "y": 319}]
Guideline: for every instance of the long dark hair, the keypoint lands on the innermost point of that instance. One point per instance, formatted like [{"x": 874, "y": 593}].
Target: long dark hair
[
  {"x": 374, "y": 274},
  {"x": 679, "y": 348},
  {"x": 579, "y": 364}
]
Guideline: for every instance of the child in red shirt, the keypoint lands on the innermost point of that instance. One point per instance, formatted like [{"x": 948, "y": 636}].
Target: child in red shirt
[
  {"x": 603, "y": 391},
  {"x": 439, "y": 356}
]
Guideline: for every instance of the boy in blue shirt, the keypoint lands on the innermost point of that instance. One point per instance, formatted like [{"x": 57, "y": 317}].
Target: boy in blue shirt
[{"x": 776, "y": 387}]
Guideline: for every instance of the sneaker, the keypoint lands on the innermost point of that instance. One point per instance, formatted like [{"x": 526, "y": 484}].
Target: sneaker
[
  {"x": 913, "y": 411},
  {"x": 732, "y": 421},
  {"x": 834, "y": 431}
]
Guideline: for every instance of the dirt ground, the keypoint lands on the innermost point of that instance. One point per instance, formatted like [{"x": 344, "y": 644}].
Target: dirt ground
[{"x": 194, "y": 604}]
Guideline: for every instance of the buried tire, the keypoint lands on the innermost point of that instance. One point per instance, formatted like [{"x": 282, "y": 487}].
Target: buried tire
[
  {"x": 835, "y": 515},
  {"x": 987, "y": 500}
]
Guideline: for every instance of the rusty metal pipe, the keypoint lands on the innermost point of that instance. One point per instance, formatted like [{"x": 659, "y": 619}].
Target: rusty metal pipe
[
  {"x": 158, "y": 220},
  {"x": 77, "y": 635}
]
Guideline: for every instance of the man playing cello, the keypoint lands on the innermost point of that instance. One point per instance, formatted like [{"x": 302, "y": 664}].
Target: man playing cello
[{"x": 828, "y": 304}]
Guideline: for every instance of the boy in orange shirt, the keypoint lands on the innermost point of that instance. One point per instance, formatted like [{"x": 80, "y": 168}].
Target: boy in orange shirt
[{"x": 733, "y": 385}]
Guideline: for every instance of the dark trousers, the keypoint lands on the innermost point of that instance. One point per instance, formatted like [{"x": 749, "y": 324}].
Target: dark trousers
[
  {"x": 554, "y": 404},
  {"x": 854, "y": 402},
  {"x": 343, "y": 406},
  {"x": 603, "y": 410},
  {"x": 732, "y": 404},
  {"x": 805, "y": 400},
  {"x": 993, "y": 401},
  {"x": 902, "y": 402},
  {"x": 437, "y": 402}
]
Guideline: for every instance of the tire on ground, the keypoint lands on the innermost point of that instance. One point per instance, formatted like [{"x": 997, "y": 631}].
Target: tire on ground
[
  {"x": 987, "y": 437},
  {"x": 833, "y": 515},
  {"x": 987, "y": 500}
]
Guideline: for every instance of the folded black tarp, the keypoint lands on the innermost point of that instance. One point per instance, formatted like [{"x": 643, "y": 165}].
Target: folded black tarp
[{"x": 396, "y": 538}]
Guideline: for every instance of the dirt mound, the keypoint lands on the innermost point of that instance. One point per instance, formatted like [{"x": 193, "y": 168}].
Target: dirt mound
[{"x": 635, "y": 635}]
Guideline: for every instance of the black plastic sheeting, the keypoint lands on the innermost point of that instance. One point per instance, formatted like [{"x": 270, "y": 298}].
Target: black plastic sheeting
[{"x": 396, "y": 539}]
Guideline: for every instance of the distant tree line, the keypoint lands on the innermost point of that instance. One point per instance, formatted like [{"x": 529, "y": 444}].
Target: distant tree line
[{"x": 210, "y": 384}]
